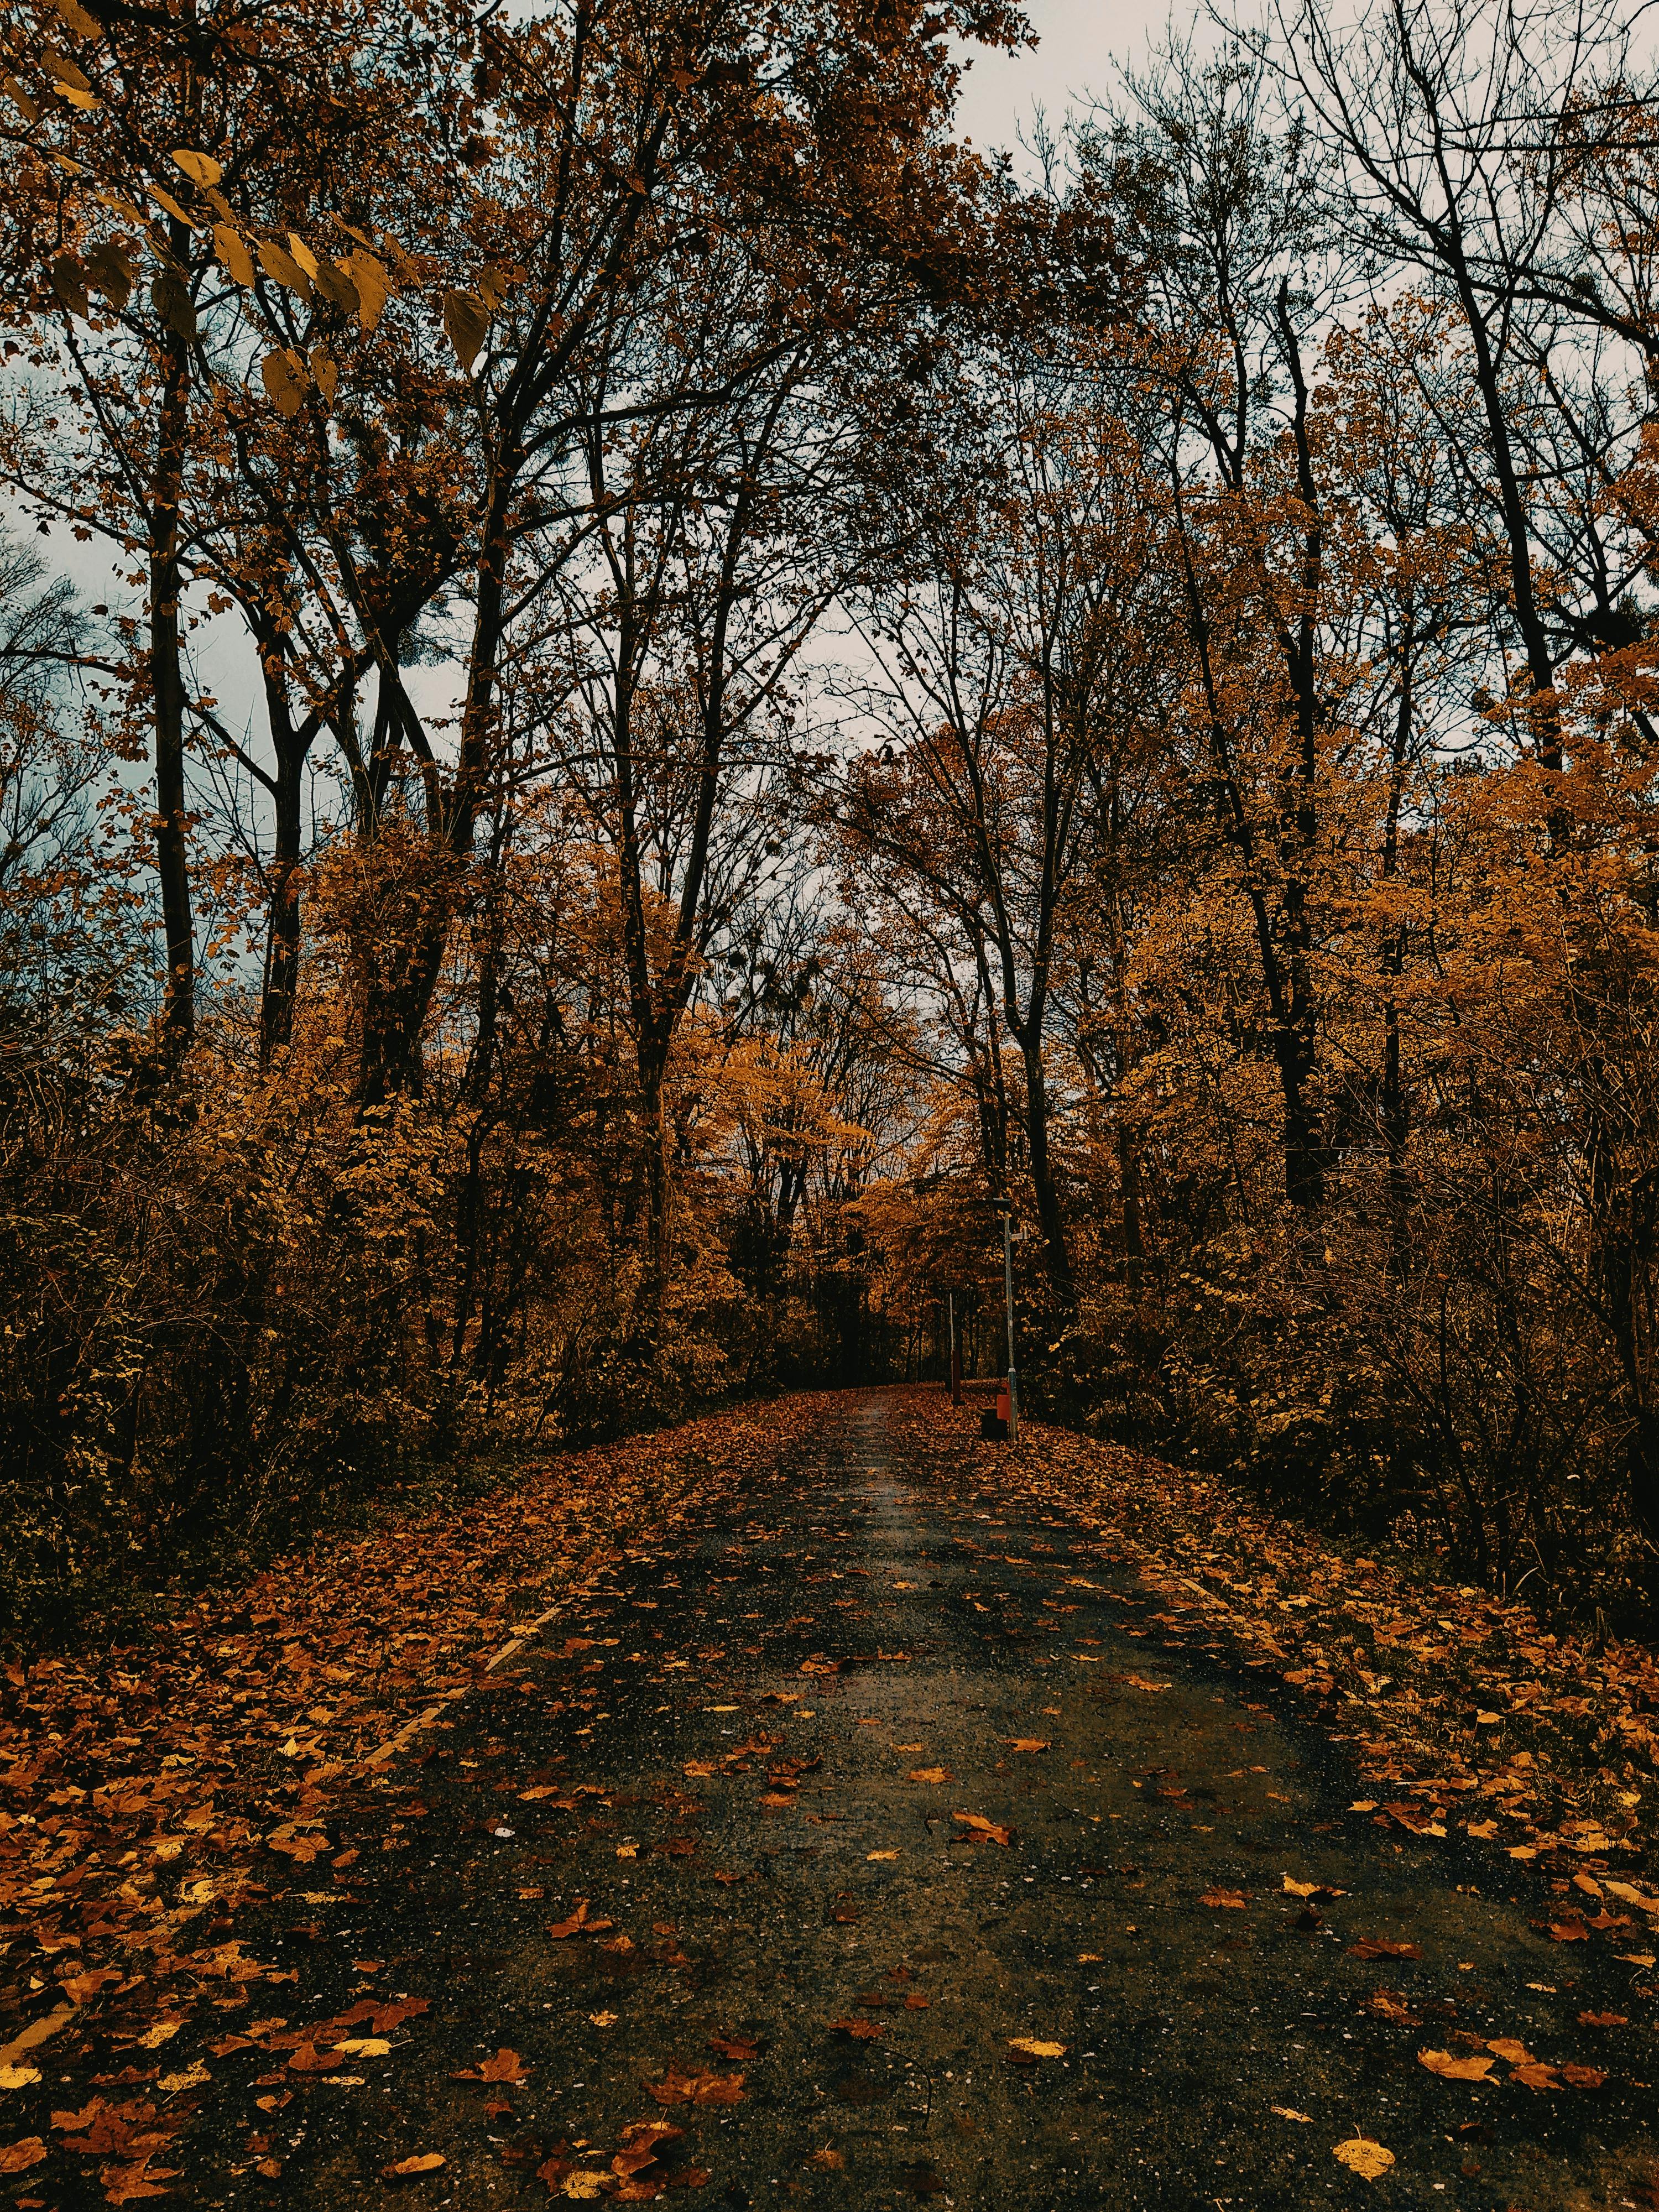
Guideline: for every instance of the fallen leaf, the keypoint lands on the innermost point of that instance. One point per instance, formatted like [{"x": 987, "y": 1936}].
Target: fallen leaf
[
  {"x": 1570, "y": 1931},
  {"x": 864, "y": 2031},
  {"x": 126, "y": 2184},
  {"x": 18, "y": 2157},
  {"x": 734, "y": 2047},
  {"x": 1535, "y": 2076},
  {"x": 988, "y": 1829},
  {"x": 828, "y": 2160},
  {"x": 1584, "y": 2077},
  {"x": 425, "y": 2161},
  {"x": 1028, "y": 1743},
  {"x": 18, "y": 2077},
  {"x": 1363, "y": 2156},
  {"x": 602, "y": 2019},
  {"x": 1290, "y": 2113},
  {"x": 1380, "y": 1947},
  {"x": 1451, "y": 2068},
  {"x": 1230, "y": 1901},
  {"x": 931, "y": 1774},
  {"x": 364, "y": 2046},
  {"x": 1513, "y": 2053},
  {"x": 192, "y": 2077},
  {"x": 1033, "y": 2049},
  {"x": 505, "y": 2066},
  {"x": 1363, "y": 1805},
  {"x": 873, "y": 1856},
  {"x": 677, "y": 2088},
  {"x": 1603, "y": 2019}
]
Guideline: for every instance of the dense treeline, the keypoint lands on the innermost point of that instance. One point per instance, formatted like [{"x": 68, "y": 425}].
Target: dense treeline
[{"x": 695, "y": 685}]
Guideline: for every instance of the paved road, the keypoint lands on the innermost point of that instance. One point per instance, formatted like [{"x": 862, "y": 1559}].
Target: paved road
[{"x": 726, "y": 1751}]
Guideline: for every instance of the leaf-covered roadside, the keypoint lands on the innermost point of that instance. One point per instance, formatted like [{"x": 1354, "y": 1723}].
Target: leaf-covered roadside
[
  {"x": 1465, "y": 1711},
  {"x": 153, "y": 1795}
]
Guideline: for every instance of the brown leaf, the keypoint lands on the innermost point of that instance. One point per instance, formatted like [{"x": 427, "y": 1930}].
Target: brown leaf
[
  {"x": 1535, "y": 2076},
  {"x": 1380, "y": 1947},
  {"x": 698, "y": 2088},
  {"x": 18, "y": 2157},
  {"x": 1584, "y": 2077},
  {"x": 1603, "y": 2019},
  {"x": 985, "y": 1829},
  {"x": 425, "y": 2161},
  {"x": 1451, "y": 2068},
  {"x": 828, "y": 2160},
  {"x": 505, "y": 2066},
  {"x": 931, "y": 1774},
  {"x": 1231, "y": 1901},
  {"x": 862, "y": 2030},
  {"x": 307, "y": 2059},
  {"x": 734, "y": 2047},
  {"x": 1570, "y": 1931}
]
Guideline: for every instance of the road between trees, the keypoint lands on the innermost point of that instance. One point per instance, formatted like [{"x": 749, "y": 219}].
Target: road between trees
[{"x": 884, "y": 1838}]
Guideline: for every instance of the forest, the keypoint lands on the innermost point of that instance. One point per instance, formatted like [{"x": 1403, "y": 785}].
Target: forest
[{"x": 637, "y": 690}]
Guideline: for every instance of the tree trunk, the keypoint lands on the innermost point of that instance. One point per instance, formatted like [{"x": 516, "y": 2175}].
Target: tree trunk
[{"x": 168, "y": 695}]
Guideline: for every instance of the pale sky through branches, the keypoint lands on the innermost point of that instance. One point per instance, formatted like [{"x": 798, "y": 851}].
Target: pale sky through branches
[{"x": 1079, "y": 41}]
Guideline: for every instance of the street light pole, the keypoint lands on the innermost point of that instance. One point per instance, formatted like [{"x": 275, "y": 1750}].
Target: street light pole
[{"x": 1008, "y": 1292}]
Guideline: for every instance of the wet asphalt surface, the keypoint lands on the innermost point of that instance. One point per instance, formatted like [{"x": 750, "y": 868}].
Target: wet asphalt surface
[{"x": 822, "y": 1970}]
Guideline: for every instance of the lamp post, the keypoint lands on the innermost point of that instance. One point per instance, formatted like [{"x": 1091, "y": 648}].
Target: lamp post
[{"x": 1008, "y": 1293}]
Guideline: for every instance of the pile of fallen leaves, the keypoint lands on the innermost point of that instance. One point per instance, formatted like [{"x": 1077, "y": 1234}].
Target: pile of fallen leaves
[
  {"x": 149, "y": 1796},
  {"x": 1463, "y": 1707}
]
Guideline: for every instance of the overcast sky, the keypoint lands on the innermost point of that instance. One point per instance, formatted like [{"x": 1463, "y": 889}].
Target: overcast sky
[{"x": 1079, "y": 41}]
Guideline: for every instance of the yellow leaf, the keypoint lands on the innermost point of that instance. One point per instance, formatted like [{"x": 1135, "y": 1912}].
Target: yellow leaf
[
  {"x": 233, "y": 253},
  {"x": 1033, "y": 2049},
  {"x": 18, "y": 2077},
  {"x": 169, "y": 205},
  {"x": 1290, "y": 2113},
  {"x": 303, "y": 254},
  {"x": 64, "y": 73},
  {"x": 84, "y": 26},
  {"x": 163, "y": 2031},
  {"x": 930, "y": 1774},
  {"x": 282, "y": 374},
  {"x": 1363, "y": 2156},
  {"x": 466, "y": 322},
  {"x": 192, "y": 2077},
  {"x": 370, "y": 279},
  {"x": 427, "y": 2161},
  {"x": 364, "y": 2046},
  {"x": 286, "y": 270},
  {"x": 200, "y": 168},
  {"x": 881, "y": 1854},
  {"x": 20, "y": 99}
]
